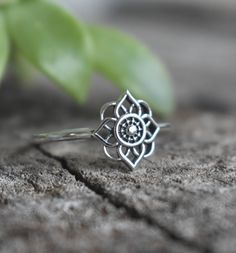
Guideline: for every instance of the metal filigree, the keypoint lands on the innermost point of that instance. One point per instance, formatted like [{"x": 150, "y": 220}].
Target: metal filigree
[{"x": 127, "y": 130}]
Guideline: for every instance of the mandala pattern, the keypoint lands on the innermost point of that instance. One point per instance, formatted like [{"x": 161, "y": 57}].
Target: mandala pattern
[{"x": 127, "y": 130}]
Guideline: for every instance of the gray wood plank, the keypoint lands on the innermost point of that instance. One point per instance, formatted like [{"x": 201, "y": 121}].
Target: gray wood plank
[
  {"x": 44, "y": 207},
  {"x": 185, "y": 194},
  {"x": 187, "y": 190}
]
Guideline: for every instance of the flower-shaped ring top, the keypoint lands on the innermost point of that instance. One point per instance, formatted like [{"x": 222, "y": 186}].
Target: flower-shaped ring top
[{"x": 127, "y": 130}]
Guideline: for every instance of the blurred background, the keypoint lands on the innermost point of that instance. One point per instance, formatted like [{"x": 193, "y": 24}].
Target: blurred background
[{"x": 196, "y": 40}]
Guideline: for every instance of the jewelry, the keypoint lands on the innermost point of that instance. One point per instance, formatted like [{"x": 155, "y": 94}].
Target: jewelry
[{"x": 127, "y": 131}]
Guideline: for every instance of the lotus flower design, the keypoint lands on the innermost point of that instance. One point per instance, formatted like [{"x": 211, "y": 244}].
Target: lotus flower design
[{"x": 127, "y": 130}]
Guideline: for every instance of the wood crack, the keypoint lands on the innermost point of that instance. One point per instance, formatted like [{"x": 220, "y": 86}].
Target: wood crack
[{"x": 131, "y": 211}]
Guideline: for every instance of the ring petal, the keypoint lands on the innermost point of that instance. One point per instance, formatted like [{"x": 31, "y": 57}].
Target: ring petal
[
  {"x": 127, "y": 104},
  {"x": 132, "y": 156},
  {"x": 152, "y": 128},
  {"x": 150, "y": 147},
  {"x": 107, "y": 110},
  {"x": 145, "y": 108},
  {"x": 112, "y": 153},
  {"x": 105, "y": 132}
]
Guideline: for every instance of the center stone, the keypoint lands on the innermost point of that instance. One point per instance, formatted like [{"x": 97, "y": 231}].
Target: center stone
[{"x": 132, "y": 130}]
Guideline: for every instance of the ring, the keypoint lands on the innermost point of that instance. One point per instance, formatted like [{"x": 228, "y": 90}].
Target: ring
[{"x": 127, "y": 131}]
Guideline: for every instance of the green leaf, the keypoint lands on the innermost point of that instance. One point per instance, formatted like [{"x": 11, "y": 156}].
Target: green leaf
[
  {"x": 53, "y": 41},
  {"x": 131, "y": 66},
  {"x": 24, "y": 71},
  {"x": 4, "y": 46}
]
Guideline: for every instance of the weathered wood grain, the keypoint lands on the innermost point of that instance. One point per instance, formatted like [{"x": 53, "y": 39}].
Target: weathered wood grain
[
  {"x": 68, "y": 197},
  {"x": 187, "y": 190},
  {"x": 43, "y": 206}
]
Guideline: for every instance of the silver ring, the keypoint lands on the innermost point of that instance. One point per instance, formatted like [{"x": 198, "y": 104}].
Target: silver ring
[{"x": 127, "y": 131}]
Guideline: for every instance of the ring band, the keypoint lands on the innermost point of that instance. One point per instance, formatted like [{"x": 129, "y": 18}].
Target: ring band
[
  {"x": 64, "y": 135},
  {"x": 127, "y": 131},
  {"x": 73, "y": 134}
]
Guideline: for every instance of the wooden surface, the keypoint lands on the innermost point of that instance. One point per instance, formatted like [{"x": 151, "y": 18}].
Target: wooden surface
[{"x": 68, "y": 197}]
